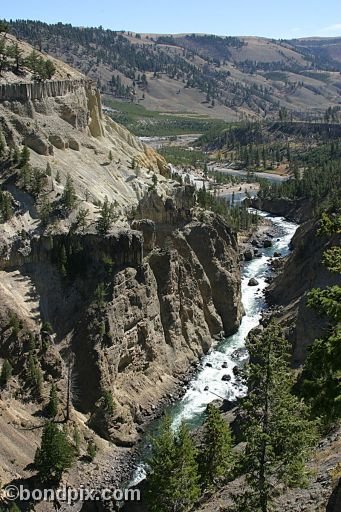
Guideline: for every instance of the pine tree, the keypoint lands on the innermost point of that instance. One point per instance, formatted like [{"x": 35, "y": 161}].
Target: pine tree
[
  {"x": 6, "y": 209},
  {"x": 55, "y": 454},
  {"x": 107, "y": 217},
  {"x": 45, "y": 209},
  {"x": 35, "y": 375},
  {"x": 69, "y": 194},
  {"x": 52, "y": 406},
  {"x": 216, "y": 460},
  {"x": 278, "y": 431},
  {"x": 321, "y": 375},
  {"x": 24, "y": 156},
  {"x": 173, "y": 471},
  {"x": 185, "y": 478},
  {"x": 50, "y": 69},
  {"x": 161, "y": 468},
  {"x": 108, "y": 403},
  {"x": 6, "y": 373}
]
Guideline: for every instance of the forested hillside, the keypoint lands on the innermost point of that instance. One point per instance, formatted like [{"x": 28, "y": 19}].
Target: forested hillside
[{"x": 220, "y": 77}]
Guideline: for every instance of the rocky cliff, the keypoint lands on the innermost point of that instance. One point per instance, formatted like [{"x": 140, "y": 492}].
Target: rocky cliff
[
  {"x": 154, "y": 319},
  {"x": 303, "y": 271},
  {"x": 297, "y": 210}
]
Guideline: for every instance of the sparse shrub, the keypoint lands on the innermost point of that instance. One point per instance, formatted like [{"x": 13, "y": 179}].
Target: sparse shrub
[
  {"x": 100, "y": 295},
  {"x": 91, "y": 450},
  {"x": 108, "y": 404}
]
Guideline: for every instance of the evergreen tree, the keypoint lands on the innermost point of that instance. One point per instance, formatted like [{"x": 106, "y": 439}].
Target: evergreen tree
[
  {"x": 185, "y": 478},
  {"x": 107, "y": 217},
  {"x": 6, "y": 373},
  {"x": 69, "y": 194},
  {"x": 81, "y": 219},
  {"x": 216, "y": 460},
  {"x": 50, "y": 69},
  {"x": 35, "y": 375},
  {"x": 278, "y": 431},
  {"x": 173, "y": 471},
  {"x": 321, "y": 376},
  {"x": 6, "y": 209},
  {"x": 161, "y": 468},
  {"x": 52, "y": 406},
  {"x": 108, "y": 403},
  {"x": 24, "y": 156},
  {"x": 55, "y": 454},
  {"x": 45, "y": 209},
  {"x": 16, "y": 53}
]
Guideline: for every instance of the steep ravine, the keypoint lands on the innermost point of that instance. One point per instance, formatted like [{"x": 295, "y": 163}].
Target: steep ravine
[{"x": 209, "y": 383}]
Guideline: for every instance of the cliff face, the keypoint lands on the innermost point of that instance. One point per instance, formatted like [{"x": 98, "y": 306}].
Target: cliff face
[
  {"x": 155, "y": 318},
  {"x": 160, "y": 318},
  {"x": 62, "y": 123},
  {"x": 296, "y": 210},
  {"x": 303, "y": 271}
]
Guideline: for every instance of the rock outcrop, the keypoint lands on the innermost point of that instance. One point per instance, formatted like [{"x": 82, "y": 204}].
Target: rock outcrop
[
  {"x": 303, "y": 271},
  {"x": 160, "y": 318},
  {"x": 297, "y": 210}
]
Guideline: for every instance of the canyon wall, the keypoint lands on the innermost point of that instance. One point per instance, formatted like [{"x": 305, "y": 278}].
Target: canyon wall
[
  {"x": 303, "y": 271},
  {"x": 37, "y": 90}
]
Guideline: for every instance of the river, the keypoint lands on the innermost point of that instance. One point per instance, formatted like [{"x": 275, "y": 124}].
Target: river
[
  {"x": 207, "y": 385},
  {"x": 274, "y": 178}
]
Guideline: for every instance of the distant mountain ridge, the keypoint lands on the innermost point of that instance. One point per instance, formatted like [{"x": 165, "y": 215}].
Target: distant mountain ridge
[{"x": 224, "y": 77}]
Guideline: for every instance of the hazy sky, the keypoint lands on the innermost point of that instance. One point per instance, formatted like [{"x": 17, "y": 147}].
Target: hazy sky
[{"x": 270, "y": 18}]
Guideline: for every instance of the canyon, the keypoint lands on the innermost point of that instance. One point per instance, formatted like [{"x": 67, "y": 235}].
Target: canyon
[{"x": 127, "y": 313}]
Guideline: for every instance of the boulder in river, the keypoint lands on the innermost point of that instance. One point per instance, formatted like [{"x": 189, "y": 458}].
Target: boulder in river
[
  {"x": 256, "y": 243},
  {"x": 208, "y": 365},
  {"x": 267, "y": 243},
  {"x": 277, "y": 254},
  {"x": 253, "y": 282},
  {"x": 236, "y": 371},
  {"x": 240, "y": 353},
  {"x": 206, "y": 388},
  {"x": 248, "y": 255},
  {"x": 226, "y": 378},
  {"x": 225, "y": 365}
]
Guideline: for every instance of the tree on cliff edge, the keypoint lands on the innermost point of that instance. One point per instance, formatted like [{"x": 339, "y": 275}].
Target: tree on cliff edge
[
  {"x": 321, "y": 376},
  {"x": 106, "y": 217},
  {"x": 277, "y": 428}
]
